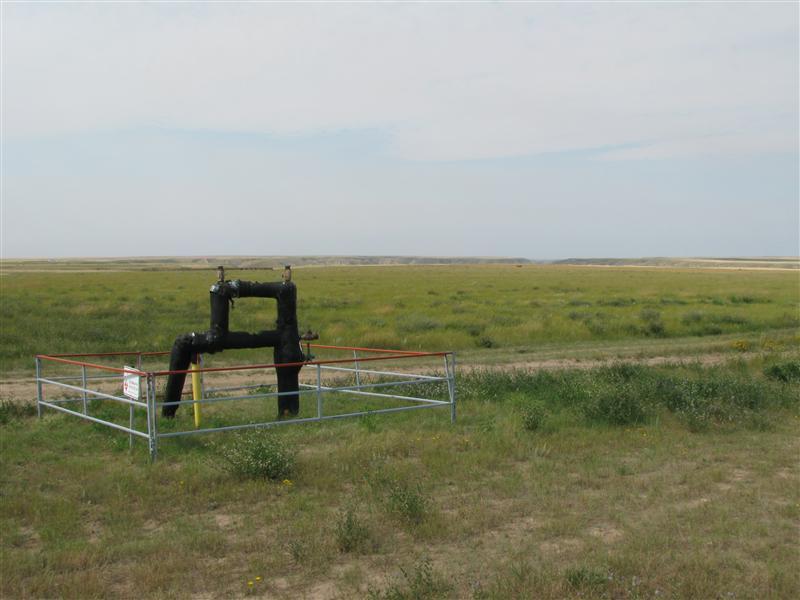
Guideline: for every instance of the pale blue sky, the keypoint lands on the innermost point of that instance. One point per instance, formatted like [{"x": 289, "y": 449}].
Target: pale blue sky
[{"x": 538, "y": 130}]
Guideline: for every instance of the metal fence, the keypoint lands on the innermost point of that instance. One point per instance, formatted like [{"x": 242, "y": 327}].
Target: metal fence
[{"x": 86, "y": 385}]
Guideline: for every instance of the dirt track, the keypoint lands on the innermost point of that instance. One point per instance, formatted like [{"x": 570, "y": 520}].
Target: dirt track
[{"x": 23, "y": 389}]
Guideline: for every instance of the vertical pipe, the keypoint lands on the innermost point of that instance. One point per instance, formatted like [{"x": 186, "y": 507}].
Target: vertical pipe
[
  {"x": 450, "y": 366},
  {"x": 197, "y": 393},
  {"x": 200, "y": 363},
  {"x": 39, "y": 387},
  {"x": 319, "y": 391},
  {"x": 83, "y": 381},
  {"x": 151, "y": 422},
  {"x": 130, "y": 407},
  {"x": 358, "y": 375}
]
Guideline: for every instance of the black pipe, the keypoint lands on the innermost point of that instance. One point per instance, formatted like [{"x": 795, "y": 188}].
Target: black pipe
[{"x": 285, "y": 339}]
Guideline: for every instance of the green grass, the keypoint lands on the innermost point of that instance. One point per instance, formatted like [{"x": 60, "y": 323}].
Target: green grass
[
  {"x": 410, "y": 506},
  {"x": 490, "y": 310},
  {"x": 620, "y": 481}
]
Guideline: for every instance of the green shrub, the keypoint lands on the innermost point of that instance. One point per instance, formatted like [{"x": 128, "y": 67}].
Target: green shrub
[
  {"x": 422, "y": 583},
  {"x": 534, "y": 416},
  {"x": 485, "y": 341},
  {"x": 691, "y": 317},
  {"x": 416, "y": 323},
  {"x": 10, "y": 411},
  {"x": 652, "y": 322},
  {"x": 787, "y": 371},
  {"x": 351, "y": 533},
  {"x": 407, "y": 501},
  {"x": 585, "y": 577},
  {"x": 615, "y": 404},
  {"x": 258, "y": 454}
]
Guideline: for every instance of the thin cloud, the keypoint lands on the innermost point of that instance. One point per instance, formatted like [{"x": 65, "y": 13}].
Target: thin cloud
[{"x": 442, "y": 82}]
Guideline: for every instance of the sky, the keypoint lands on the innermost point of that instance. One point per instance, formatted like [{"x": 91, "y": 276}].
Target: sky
[{"x": 538, "y": 130}]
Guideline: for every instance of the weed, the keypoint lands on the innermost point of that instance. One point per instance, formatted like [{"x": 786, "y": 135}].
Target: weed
[
  {"x": 652, "y": 322},
  {"x": 618, "y": 302},
  {"x": 694, "y": 316},
  {"x": 534, "y": 416},
  {"x": 788, "y": 371},
  {"x": 485, "y": 341},
  {"x": 416, "y": 323},
  {"x": 741, "y": 345},
  {"x": 10, "y": 411},
  {"x": 407, "y": 501},
  {"x": 297, "y": 550},
  {"x": 421, "y": 583},
  {"x": 585, "y": 578},
  {"x": 579, "y": 302},
  {"x": 745, "y": 299},
  {"x": 258, "y": 454},
  {"x": 619, "y": 404},
  {"x": 351, "y": 533}
]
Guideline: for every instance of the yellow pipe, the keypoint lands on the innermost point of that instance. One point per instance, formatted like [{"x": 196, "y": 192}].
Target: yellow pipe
[{"x": 196, "y": 391}]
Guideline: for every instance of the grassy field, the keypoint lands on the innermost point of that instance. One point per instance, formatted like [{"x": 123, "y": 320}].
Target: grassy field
[
  {"x": 621, "y": 480},
  {"x": 464, "y": 308}
]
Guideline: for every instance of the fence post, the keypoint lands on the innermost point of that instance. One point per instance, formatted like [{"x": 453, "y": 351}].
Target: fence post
[
  {"x": 451, "y": 384},
  {"x": 38, "y": 387},
  {"x": 152, "y": 433},
  {"x": 358, "y": 375},
  {"x": 83, "y": 382},
  {"x": 319, "y": 392}
]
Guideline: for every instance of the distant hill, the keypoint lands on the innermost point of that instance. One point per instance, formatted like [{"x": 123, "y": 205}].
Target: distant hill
[
  {"x": 167, "y": 263},
  {"x": 754, "y": 262}
]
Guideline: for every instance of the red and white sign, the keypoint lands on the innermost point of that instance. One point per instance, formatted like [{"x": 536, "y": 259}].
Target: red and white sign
[{"x": 130, "y": 383}]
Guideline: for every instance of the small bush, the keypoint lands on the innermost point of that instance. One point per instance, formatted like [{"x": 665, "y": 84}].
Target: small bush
[
  {"x": 648, "y": 315},
  {"x": 741, "y": 345},
  {"x": 691, "y": 317},
  {"x": 786, "y": 372},
  {"x": 579, "y": 302},
  {"x": 615, "y": 404},
  {"x": 672, "y": 300},
  {"x": 534, "y": 416},
  {"x": 408, "y": 502},
  {"x": 652, "y": 322},
  {"x": 584, "y": 577},
  {"x": 351, "y": 533},
  {"x": 416, "y": 323},
  {"x": 485, "y": 341},
  {"x": 743, "y": 299},
  {"x": 422, "y": 583},
  {"x": 10, "y": 411},
  {"x": 258, "y": 454},
  {"x": 618, "y": 302}
]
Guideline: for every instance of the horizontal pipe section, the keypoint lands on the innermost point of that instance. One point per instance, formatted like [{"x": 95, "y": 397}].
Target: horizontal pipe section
[
  {"x": 238, "y": 387},
  {"x": 80, "y": 378},
  {"x": 368, "y": 372},
  {"x": 95, "y": 419},
  {"x": 91, "y": 365},
  {"x": 299, "y": 364},
  {"x": 229, "y": 398},
  {"x": 94, "y": 393},
  {"x": 92, "y": 354},
  {"x": 350, "y": 388},
  {"x": 379, "y": 350},
  {"x": 401, "y": 354},
  {"x": 292, "y": 421},
  {"x": 379, "y": 395}
]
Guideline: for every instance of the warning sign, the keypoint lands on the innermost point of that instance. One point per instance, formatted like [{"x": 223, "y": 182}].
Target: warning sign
[{"x": 130, "y": 383}]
